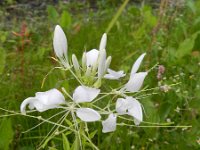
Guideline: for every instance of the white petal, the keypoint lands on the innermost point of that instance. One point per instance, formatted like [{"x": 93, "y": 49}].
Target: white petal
[
  {"x": 109, "y": 124},
  {"x": 88, "y": 114},
  {"x": 34, "y": 103},
  {"x": 135, "y": 109},
  {"x": 101, "y": 63},
  {"x": 135, "y": 82},
  {"x": 43, "y": 101},
  {"x": 85, "y": 94},
  {"x": 103, "y": 42},
  {"x": 114, "y": 75},
  {"x": 137, "y": 63},
  {"x": 121, "y": 106},
  {"x": 50, "y": 97},
  {"x": 59, "y": 42},
  {"x": 28, "y": 101},
  {"x": 42, "y": 107},
  {"x": 92, "y": 57}
]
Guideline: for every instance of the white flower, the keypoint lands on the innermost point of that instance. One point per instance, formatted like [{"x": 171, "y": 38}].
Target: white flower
[
  {"x": 135, "y": 82},
  {"x": 92, "y": 57},
  {"x": 114, "y": 75},
  {"x": 60, "y": 43},
  {"x": 130, "y": 106},
  {"x": 43, "y": 101},
  {"x": 136, "y": 79},
  {"x": 88, "y": 114},
  {"x": 109, "y": 124},
  {"x": 97, "y": 58},
  {"x": 86, "y": 94}
]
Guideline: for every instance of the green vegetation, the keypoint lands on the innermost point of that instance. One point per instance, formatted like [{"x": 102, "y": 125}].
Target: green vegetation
[{"x": 169, "y": 32}]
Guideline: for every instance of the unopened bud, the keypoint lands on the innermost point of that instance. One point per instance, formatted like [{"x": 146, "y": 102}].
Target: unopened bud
[
  {"x": 108, "y": 61},
  {"x": 103, "y": 42},
  {"x": 76, "y": 65},
  {"x": 84, "y": 61},
  {"x": 101, "y": 63}
]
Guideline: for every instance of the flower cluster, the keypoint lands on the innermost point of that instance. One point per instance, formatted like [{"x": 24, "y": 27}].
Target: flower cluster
[{"x": 95, "y": 68}]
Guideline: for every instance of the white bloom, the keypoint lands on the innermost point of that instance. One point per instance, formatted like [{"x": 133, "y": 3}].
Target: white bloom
[
  {"x": 109, "y": 124},
  {"x": 135, "y": 110},
  {"x": 122, "y": 106},
  {"x": 43, "y": 101},
  {"x": 96, "y": 59},
  {"x": 92, "y": 57},
  {"x": 135, "y": 82},
  {"x": 88, "y": 114},
  {"x": 114, "y": 75},
  {"x": 60, "y": 42},
  {"x": 130, "y": 106},
  {"x": 85, "y": 94},
  {"x": 136, "y": 79}
]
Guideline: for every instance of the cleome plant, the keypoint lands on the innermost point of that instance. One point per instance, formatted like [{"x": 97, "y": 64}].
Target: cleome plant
[
  {"x": 89, "y": 101},
  {"x": 89, "y": 75}
]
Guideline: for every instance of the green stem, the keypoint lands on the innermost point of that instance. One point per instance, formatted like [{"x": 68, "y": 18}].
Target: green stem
[{"x": 113, "y": 21}]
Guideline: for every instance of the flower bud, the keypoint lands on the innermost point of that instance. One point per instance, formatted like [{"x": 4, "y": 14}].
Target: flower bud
[
  {"x": 76, "y": 65},
  {"x": 101, "y": 63},
  {"x": 60, "y": 43},
  {"x": 108, "y": 61},
  {"x": 84, "y": 61},
  {"x": 103, "y": 42}
]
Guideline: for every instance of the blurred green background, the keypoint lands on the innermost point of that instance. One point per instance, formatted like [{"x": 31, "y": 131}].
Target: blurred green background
[{"x": 167, "y": 30}]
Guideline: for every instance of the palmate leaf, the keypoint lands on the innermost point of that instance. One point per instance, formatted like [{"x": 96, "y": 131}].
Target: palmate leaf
[
  {"x": 65, "y": 20},
  {"x": 186, "y": 46},
  {"x": 52, "y": 14}
]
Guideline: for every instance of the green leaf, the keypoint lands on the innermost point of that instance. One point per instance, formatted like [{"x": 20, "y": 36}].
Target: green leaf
[
  {"x": 68, "y": 122},
  {"x": 3, "y": 36},
  {"x": 6, "y": 134},
  {"x": 52, "y": 148},
  {"x": 52, "y": 14},
  {"x": 2, "y": 59},
  {"x": 75, "y": 145},
  {"x": 65, "y": 20},
  {"x": 192, "y": 6},
  {"x": 149, "y": 18},
  {"x": 164, "y": 110},
  {"x": 93, "y": 134},
  {"x": 66, "y": 145},
  {"x": 186, "y": 46},
  {"x": 150, "y": 110}
]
